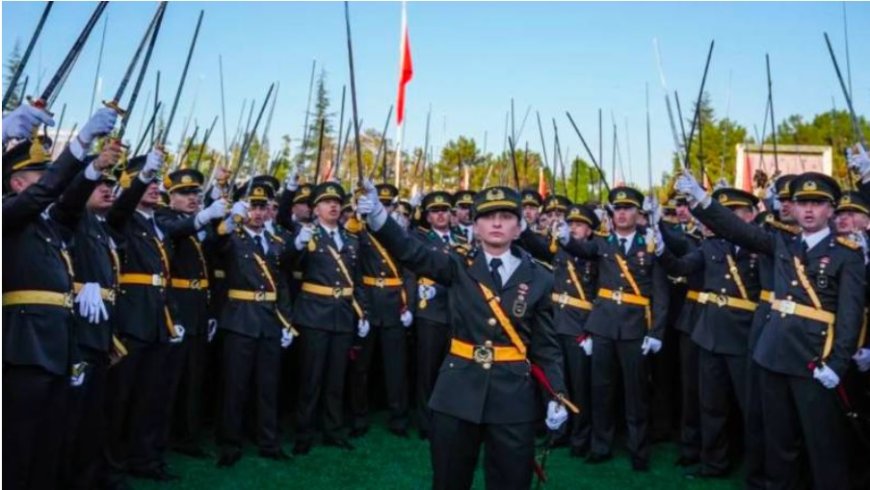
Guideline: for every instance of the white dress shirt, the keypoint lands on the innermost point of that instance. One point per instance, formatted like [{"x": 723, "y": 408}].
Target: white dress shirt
[
  {"x": 813, "y": 239},
  {"x": 629, "y": 239},
  {"x": 509, "y": 263},
  {"x": 264, "y": 244},
  {"x": 336, "y": 236},
  {"x": 150, "y": 217}
]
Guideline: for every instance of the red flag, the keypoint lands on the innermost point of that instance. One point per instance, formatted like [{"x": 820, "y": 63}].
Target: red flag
[
  {"x": 542, "y": 183},
  {"x": 406, "y": 69}
]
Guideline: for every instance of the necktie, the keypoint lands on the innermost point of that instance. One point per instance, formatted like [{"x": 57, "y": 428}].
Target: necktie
[
  {"x": 259, "y": 241},
  {"x": 446, "y": 239},
  {"x": 155, "y": 228},
  {"x": 622, "y": 242},
  {"x": 804, "y": 249},
  {"x": 494, "y": 264}
]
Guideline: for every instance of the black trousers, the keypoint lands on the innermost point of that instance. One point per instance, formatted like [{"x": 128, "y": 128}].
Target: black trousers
[
  {"x": 173, "y": 368},
  {"x": 690, "y": 415},
  {"x": 509, "y": 451},
  {"x": 609, "y": 356},
  {"x": 250, "y": 363},
  {"x": 802, "y": 415},
  {"x": 578, "y": 368},
  {"x": 34, "y": 408},
  {"x": 433, "y": 343},
  {"x": 722, "y": 379},
  {"x": 82, "y": 464},
  {"x": 664, "y": 371},
  {"x": 134, "y": 405},
  {"x": 754, "y": 418},
  {"x": 187, "y": 414},
  {"x": 393, "y": 345},
  {"x": 324, "y": 357}
]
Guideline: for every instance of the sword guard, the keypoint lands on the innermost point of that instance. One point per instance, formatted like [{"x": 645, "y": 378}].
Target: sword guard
[
  {"x": 115, "y": 107},
  {"x": 39, "y": 104}
]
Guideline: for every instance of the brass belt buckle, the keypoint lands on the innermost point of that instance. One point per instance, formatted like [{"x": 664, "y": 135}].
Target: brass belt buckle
[
  {"x": 110, "y": 296},
  {"x": 617, "y": 296},
  {"x": 156, "y": 280},
  {"x": 379, "y": 282},
  {"x": 67, "y": 300},
  {"x": 563, "y": 299},
  {"x": 337, "y": 293},
  {"x": 194, "y": 284},
  {"x": 787, "y": 307},
  {"x": 260, "y": 296},
  {"x": 721, "y": 300},
  {"x": 702, "y": 298},
  {"x": 484, "y": 355}
]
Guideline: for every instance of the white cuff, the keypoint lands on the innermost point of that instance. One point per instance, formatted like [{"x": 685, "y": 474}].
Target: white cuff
[
  {"x": 200, "y": 220},
  {"x": 76, "y": 148},
  {"x": 378, "y": 219},
  {"x": 91, "y": 172},
  {"x": 144, "y": 179}
]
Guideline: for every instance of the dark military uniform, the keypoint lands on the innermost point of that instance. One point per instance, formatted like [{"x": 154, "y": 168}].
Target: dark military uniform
[
  {"x": 632, "y": 304},
  {"x": 574, "y": 287},
  {"x": 383, "y": 285},
  {"x": 727, "y": 302},
  {"x": 37, "y": 319},
  {"x": 484, "y": 393},
  {"x": 814, "y": 320},
  {"x": 464, "y": 199},
  {"x": 257, "y": 309},
  {"x": 325, "y": 312}
]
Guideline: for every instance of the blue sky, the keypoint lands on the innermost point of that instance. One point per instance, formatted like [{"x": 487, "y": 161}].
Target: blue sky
[{"x": 469, "y": 60}]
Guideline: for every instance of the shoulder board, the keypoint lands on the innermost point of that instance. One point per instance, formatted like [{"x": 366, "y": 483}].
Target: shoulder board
[
  {"x": 671, "y": 220},
  {"x": 848, "y": 243},
  {"x": 278, "y": 239},
  {"x": 601, "y": 234},
  {"x": 794, "y": 230},
  {"x": 542, "y": 263}
]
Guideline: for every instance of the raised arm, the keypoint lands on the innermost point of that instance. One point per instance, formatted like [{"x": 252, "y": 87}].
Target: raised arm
[
  {"x": 726, "y": 224},
  {"x": 536, "y": 244}
]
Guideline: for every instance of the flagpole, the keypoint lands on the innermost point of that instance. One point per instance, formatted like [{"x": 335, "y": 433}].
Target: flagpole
[{"x": 400, "y": 113}]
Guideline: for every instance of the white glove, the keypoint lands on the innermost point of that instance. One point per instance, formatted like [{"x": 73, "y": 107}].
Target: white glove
[
  {"x": 179, "y": 337},
  {"x": 91, "y": 304},
  {"x": 216, "y": 192},
  {"x": 153, "y": 164},
  {"x": 650, "y": 344},
  {"x": 426, "y": 292},
  {"x": 303, "y": 237},
  {"x": 100, "y": 124},
  {"x": 722, "y": 183},
  {"x": 212, "y": 329},
  {"x": 291, "y": 182},
  {"x": 859, "y": 161},
  {"x": 20, "y": 123},
  {"x": 861, "y": 239},
  {"x": 862, "y": 359},
  {"x": 400, "y": 219},
  {"x": 416, "y": 199},
  {"x": 586, "y": 345},
  {"x": 770, "y": 192},
  {"x": 370, "y": 206},
  {"x": 556, "y": 415},
  {"x": 362, "y": 328},
  {"x": 563, "y": 231},
  {"x": 654, "y": 235},
  {"x": 826, "y": 376},
  {"x": 240, "y": 209},
  {"x": 286, "y": 338},
  {"x": 215, "y": 210},
  {"x": 687, "y": 185},
  {"x": 407, "y": 318},
  {"x": 77, "y": 376}
]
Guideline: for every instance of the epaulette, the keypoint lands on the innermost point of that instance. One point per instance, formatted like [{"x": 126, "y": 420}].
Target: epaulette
[
  {"x": 278, "y": 239},
  {"x": 353, "y": 225},
  {"x": 671, "y": 220},
  {"x": 462, "y": 249},
  {"x": 542, "y": 263},
  {"x": 848, "y": 243},
  {"x": 600, "y": 233},
  {"x": 772, "y": 221}
]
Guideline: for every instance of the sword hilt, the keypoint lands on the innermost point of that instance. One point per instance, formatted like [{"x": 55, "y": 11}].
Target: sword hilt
[{"x": 112, "y": 104}]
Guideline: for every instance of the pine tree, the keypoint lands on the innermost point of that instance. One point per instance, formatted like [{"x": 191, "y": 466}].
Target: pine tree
[
  {"x": 320, "y": 111},
  {"x": 10, "y": 69}
]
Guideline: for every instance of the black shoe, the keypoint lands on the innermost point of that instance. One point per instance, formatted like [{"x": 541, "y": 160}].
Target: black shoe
[
  {"x": 192, "y": 451},
  {"x": 640, "y": 465},
  {"x": 684, "y": 461},
  {"x": 338, "y": 442},
  {"x": 229, "y": 458},
  {"x": 274, "y": 454},
  {"x": 595, "y": 458},
  {"x": 302, "y": 447},
  {"x": 403, "y": 433},
  {"x": 358, "y": 432},
  {"x": 579, "y": 452},
  {"x": 156, "y": 474}
]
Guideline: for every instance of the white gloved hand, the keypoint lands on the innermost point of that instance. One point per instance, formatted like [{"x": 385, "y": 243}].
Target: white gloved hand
[
  {"x": 20, "y": 123},
  {"x": 400, "y": 219},
  {"x": 286, "y": 338},
  {"x": 153, "y": 164},
  {"x": 563, "y": 232},
  {"x": 407, "y": 318},
  {"x": 859, "y": 161},
  {"x": 556, "y": 415},
  {"x": 416, "y": 199},
  {"x": 586, "y": 345},
  {"x": 826, "y": 376},
  {"x": 216, "y": 192},
  {"x": 426, "y": 292},
  {"x": 240, "y": 209},
  {"x": 862, "y": 359},
  {"x": 91, "y": 304},
  {"x": 303, "y": 237},
  {"x": 100, "y": 124},
  {"x": 687, "y": 185},
  {"x": 654, "y": 235},
  {"x": 650, "y": 345},
  {"x": 291, "y": 182},
  {"x": 77, "y": 375},
  {"x": 179, "y": 337},
  {"x": 860, "y": 238},
  {"x": 770, "y": 192},
  {"x": 212, "y": 329},
  {"x": 362, "y": 328},
  {"x": 371, "y": 207},
  {"x": 215, "y": 210}
]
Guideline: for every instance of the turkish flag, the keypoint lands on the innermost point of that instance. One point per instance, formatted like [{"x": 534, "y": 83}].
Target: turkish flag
[
  {"x": 542, "y": 183},
  {"x": 406, "y": 69}
]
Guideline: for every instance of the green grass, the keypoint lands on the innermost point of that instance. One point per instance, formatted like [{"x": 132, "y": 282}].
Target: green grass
[{"x": 382, "y": 461}]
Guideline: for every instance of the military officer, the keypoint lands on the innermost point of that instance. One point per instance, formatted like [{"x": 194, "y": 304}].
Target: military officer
[
  {"x": 627, "y": 323},
  {"x": 810, "y": 335},
  {"x": 383, "y": 284},
  {"x": 555, "y": 207},
  {"x": 502, "y": 326},
  {"x": 531, "y": 207},
  {"x": 463, "y": 201},
  {"x": 324, "y": 311}
]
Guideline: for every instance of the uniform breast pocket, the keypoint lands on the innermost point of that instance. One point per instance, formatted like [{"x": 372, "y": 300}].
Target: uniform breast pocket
[{"x": 821, "y": 276}]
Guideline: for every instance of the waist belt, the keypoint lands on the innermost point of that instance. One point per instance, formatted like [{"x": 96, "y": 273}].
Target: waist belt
[
  {"x": 621, "y": 297},
  {"x": 33, "y": 297},
  {"x": 258, "y": 296},
  {"x": 220, "y": 274},
  {"x": 155, "y": 280},
  {"x": 382, "y": 282},
  {"x": 195, "y": 284},
  {"x": 105, "y": 293},
  {"x": 766, "y": 296},
  {"x": 336, "y": 292},
  {"x": 563, "y": 299},
  {"x": 803, "y": 311},
  {"x": 485, "y": 354},
  {"x": 721, "y": 300}
]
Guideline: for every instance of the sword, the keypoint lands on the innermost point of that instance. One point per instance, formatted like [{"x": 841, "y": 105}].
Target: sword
[{"x": 162, "y": 141}]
